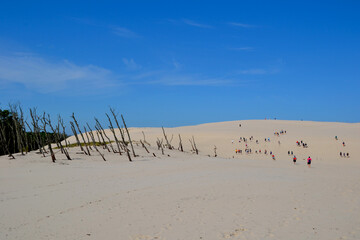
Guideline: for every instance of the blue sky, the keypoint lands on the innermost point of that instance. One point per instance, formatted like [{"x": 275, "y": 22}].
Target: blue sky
[{"x": 173, "y": 63}]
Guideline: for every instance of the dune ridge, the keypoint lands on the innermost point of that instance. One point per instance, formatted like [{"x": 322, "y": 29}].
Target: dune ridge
[{"x": 181, "y": 195}]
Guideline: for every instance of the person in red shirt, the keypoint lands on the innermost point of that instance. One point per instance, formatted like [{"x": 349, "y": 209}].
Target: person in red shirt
[{"x": 309, "y": 161}]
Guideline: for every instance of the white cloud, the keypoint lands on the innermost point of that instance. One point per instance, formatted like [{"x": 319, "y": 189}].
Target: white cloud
[
  {"x": 253, "y": 71},
  {"x": 195, "y": 24},
  {"x": 243, "y": 49},
  {"x": 171, "y": 78},
  {"x": 237, "y": 24},
  {"x": 124, "y": 32},
  {"x": 130, "y": 64},
  {"x": 176, "y": 64},
  {"x": 37, "y": 73}
]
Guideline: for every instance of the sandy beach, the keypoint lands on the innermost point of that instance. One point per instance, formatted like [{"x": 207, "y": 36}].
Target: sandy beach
[{"x": 182, "y": 195}]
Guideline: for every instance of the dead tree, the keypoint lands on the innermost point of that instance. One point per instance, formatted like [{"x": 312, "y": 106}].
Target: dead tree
[
  {"x": 4, "y": 142},
  {"x": 193, "y": 145},
  {"x": 87, "y": 136},
  {"x": 123, "y": 146},
  {"x": 36, "y": 130},
  {"x": 99, "y": 134},
  {"x": 168, "y": 145},
  {"x": 82, "y": 136},
  {"x": 33, "y": 138},
  {"x": 94, "y": 143},
  {"x": 180, "y": 144},
  {"x": 160, "y": 145},
  {"x": 61, "y": 122},
  {"x": 57, "y": 137},
  {"x": 127, "y": 131},
  {"x": 17, "y": 127},
  {"x": 23, "y": 130},
  {"x": 143, "y": 145},
  {"x": 76, "y": 137},
  {"x": 122, "y": 136},
  {"x": 215, "y": 154},
  {"x": 48, "y": 139},
  {"x": 144, "y": 138},
  {"x": 102, "y": 132},
  {"x": 113, "y": 131}
]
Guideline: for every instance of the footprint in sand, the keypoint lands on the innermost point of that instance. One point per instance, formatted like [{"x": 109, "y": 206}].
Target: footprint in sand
[
  {"x": 237, "y": 232},
  {"x": 147, "y": 237}
]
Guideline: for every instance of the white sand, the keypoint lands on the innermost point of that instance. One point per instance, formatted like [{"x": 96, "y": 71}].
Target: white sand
[{"x": 186, "y": 196}]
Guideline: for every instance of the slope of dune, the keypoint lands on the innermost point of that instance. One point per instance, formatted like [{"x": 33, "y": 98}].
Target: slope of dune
[
  {"x": 319, "y": 136},
  {"x": 181, "y": 195}
]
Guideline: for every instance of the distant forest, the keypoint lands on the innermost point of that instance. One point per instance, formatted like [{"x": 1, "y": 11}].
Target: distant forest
[{"x": 17, "y": 135}]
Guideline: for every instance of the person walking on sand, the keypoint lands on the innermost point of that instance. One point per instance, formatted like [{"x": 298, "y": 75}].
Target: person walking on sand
[
  {"x": 309, "y": 161},
  {"x": 340, "y": 154},
  {"x": 294, "y": 159}
]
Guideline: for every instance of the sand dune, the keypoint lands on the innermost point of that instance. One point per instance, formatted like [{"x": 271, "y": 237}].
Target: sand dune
[{"x": 188, "y": 196}]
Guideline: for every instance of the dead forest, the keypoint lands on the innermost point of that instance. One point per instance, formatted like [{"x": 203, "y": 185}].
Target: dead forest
[{"x": 21, "y": 133}]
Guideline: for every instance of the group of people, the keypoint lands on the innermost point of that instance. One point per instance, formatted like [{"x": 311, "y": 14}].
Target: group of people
[
  {"x": 308, "y": 160},
  {"x": 344, "y": 154},
  {"x": 280, "y": 133},
  {"x": 248, "y": 150},
  {"x": 343, "y": 143},
  {"x": 301, "y": 143}
]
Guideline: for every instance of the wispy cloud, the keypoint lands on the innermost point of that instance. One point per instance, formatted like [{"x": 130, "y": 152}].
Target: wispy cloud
[
  {"x": 37, "y": 73},
  {"x": 243, "y": 49},
  {"x": 189, "y": 80},
  {"x": 258, "y": 71},
  {"x": 124, "y": 32},
  {"x": 243, "y": 25},
  {"x": 195, "y": 24},
  {"x": 176, "y": 64},
  {"x": 131, "y": 64},
  {"x": 117, "y": 30},
  {"x": 175, "y": 78}
]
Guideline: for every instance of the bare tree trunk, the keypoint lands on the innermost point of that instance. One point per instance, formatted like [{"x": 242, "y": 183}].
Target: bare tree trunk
[
  {"x": 4, "y": 142},
  {"x": 48, "y": 140},
  {"x": 61, "y": 121},
  {"x": 160, "y": 145},
  {"x": 82, "y": 136},
  {"x": 57, "y": 137},
  {"x": 17, "y": 127},
  {"x": 94, "y": 143},
  {"x": 123, "y": 145},
  {"x": 23, "y": 131},
  {"x": 87, "y": 136},
  {"x": 144, "y": 138},
  {"x": 113, "y": 131},
  {"x": 103, "y": 132},
  {"x": 77, "y": 138},
  {"x": 193, "y": 145},
  {"x": 196, "y": 150},
  {"x": 122, "y": 136},
  {"x": 180, "y": 144},
  {"x": 36, "y": 131},
  {"x": 144, "y": 146},
  {"x": 127, "y": 131},
  {"x": 166, "y": 139},
  {"x": 99, "y": 133}
]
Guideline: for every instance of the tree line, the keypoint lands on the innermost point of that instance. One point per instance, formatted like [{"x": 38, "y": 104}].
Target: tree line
[{"x": 20, "y": 136}]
